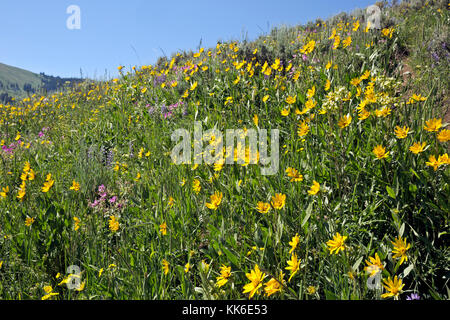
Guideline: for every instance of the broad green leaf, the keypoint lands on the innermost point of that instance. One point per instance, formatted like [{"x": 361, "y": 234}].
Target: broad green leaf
[
  {"x": 390, "y": 192},
  {"x": 232, "y": 257},
  {"x": 308, "y": 214},
  {"x": 401, "y": 230},
  {"x": 407, "y": 270},
  {"x": 357, "y": 263},
  {"x": 330, "y": 295}
]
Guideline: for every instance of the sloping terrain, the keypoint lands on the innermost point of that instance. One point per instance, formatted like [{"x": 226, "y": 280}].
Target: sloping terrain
[{"x": 95, "y": 205}]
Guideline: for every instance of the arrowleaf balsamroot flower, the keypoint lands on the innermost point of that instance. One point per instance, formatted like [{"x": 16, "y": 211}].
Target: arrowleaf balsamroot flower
[
  {"x": 113, "y": 224},
  {"x": 380, "y": 152},
  {"x": 285, "y": 112},
  {"x": 274, "y": 285},
  {"x": 294, "y": 175},
  {"x": 346, "y": 42},
  {"x": 229, "y": 100},
  {"x": 165, "y": 266},
  {"x": 311, "y": 92},
  {"x": 48, "y": 293},
  {"x": 263, "y": 207},
  {"x": 22, "y": 191},
  {"x": 311, "y": 290},
  {"x": 193, "y": 86},
  {"x": 327, "y": 85},
  {"x": 255, "y": 119},
  {"x": 417, "y": 147},
  {"x": 400, "y": 248},
  {"x": 345, "y": 121},
  {"x": 48, "y": 183},
  {"x": 433, "y": 125},
  {"x": 29, "y": 221},
  {"x": 374, "y": 265},
  {"x": 444, "y": 159},
  {"x": 196, "y": 186},
  {"x": 225, "y": 273},
  {"x": 294, "y": 242},
  {"x": 400, "y": 132},
  {"x": 75, "y": 186},
  {"x": 291, "y": 99},
  {"x": 393, "y": 288},
  {"x": 256, "y": 277},
  {"x": 337, "y": 41},
  {"x": 444, "y": 135},
  {"x": 303, "y": 129},
  {"x": 163, "y": 228},
  {"x": 432, "y": 162},
  {"x": 77, "y": 223},
  {"x": 278, "y": 201},
  {"x": 4, "y": 192},
  {"x": 363, "y": 114},
  {"x": 387, "y": 32},
  {"x": 170, "y": 202},
  {"x": 309, "y": 47},
  {"x": 216, "y": 199},
  {"x": 315, "y": 188},
  {"x": 293, "y": 265},
  {"x": 337, "y": 243}
]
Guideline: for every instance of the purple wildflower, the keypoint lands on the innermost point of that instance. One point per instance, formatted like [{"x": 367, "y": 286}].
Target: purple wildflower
[
  {"x": 413, "y": 296},
  {"x": 167, "y": 115},
  {"x": 94, "y": 204}
]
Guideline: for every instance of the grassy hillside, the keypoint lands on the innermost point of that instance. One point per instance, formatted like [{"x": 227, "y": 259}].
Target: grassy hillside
[
  {"x": 358, "y": 208},
  {"x": 13, "y": 79},
  {"x": 20, "y": 83}
]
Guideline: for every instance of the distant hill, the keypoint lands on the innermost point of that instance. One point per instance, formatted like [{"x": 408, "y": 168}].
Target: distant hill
[{"x": 19, "y": 83}]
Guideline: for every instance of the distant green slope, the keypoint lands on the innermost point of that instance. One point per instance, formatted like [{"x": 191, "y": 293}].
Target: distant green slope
[
  {"x": 18, "y": 83},
  {"x": 14, "y": 81}
]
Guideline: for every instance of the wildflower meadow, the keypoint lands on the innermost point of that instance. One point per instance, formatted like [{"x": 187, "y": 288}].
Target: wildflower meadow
[{"x": 95, "y": 205}]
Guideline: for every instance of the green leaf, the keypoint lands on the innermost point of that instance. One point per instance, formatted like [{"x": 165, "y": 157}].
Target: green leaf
[
  {"x": 232, "y": 257},
  {"x": 415, "y": 173},
  {"x": 357, "y": 263},
  {"x": 401, "y": 230},
  {"x": 407, "y": 270},
  {"x": 330, "y": 295},
  {"x": 412, "y": 188},
  {"x": 354, "y": 297},
  {"x": 308, "y": 214},
  {"x": 435, "y": 295},
  {"x": 395, "y": 218},
  {"x": 391, "y": 192}
]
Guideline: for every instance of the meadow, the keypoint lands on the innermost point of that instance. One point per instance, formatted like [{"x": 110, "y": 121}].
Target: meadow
[{"x": 93, "y": 207}]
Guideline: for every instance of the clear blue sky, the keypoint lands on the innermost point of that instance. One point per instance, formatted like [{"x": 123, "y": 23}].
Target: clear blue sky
[{"x": 34, "y": 36}]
